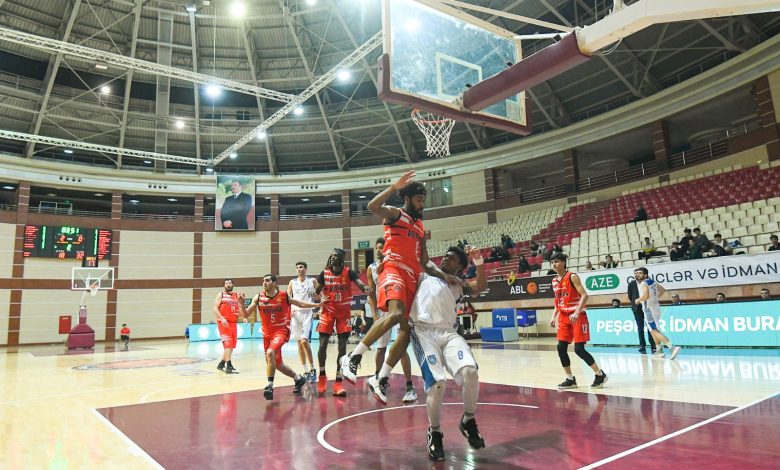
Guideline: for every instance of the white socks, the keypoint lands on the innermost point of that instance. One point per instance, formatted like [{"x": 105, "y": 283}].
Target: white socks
[
  {"x": 360, "y": 349},
  {"x": 385, "y": 372}
]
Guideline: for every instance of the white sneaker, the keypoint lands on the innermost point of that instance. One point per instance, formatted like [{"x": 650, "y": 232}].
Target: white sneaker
[
  {"x": 349, "y": 370},
  {"x": 379, "y": 389},
  {"x": 659, "y": 353},
  {"x": 675, "y": 351},
  {"x": 410, "y": 396}
]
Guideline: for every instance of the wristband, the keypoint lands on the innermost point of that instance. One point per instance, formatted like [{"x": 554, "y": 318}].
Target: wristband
[{"x": 478, "y": 261}]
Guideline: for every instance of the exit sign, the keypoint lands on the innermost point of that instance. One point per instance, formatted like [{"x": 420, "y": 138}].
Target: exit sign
[{"x": 364, "y": 244}]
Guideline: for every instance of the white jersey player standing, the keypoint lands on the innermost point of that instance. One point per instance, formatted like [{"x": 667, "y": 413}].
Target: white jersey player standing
[
  {"x": 649, "y": 298},
  {"x": 302, "y": 288},
  {"x": 440, "y": 350}
]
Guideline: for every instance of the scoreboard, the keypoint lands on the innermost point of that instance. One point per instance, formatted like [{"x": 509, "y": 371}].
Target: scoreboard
[{"x": 64, "y": 242}]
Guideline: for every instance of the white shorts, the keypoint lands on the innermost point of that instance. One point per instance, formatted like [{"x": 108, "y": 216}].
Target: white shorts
[
  {"x": 300, "y": 324},
  {"x": 440, "y": 351},
  {"x": 384, "y": 340}
]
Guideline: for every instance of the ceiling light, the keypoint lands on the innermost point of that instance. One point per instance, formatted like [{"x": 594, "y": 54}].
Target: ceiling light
[
  {"x": 133, "y": 201},
  {"x": 298, "y": 111},
  {"x": 268, "y": 197},
  {"x": 233, "y": 155},
  {"x": 68, "y": 151},
  {"x": 148, "y": 162},
  {"x": 311, "y": 2},
  {"x": 362, "y": 196},
  {"x": 332, "y": 200},
  {"x": 209, "y": 170},
  {"x": 191, "y": 8},
  {"x": 237, "y": 9},
  {"x": 101, "y": 66},
  {"x": 179, "y": 124},
  {"x": 98, "y": 194},
  {"x": 51, "y": 194},
  {"x": 9, "y": 187},
  {"x": 446, "y": 190},
  {"x": 305, "y": 199},
  {"x": 105, "y": 89},
  {"x": 261, "y": 135},
  {"x": 213, "y": 90},
  {"x": 172, "y": 199},
  {"x": 411, "y": 25},
  {"x": 344, "y": 75}
]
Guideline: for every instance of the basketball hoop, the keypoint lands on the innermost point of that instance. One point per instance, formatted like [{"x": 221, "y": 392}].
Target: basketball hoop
[
  {"x": 94, "y": 287},
  {"x": 437, "y": 131}
]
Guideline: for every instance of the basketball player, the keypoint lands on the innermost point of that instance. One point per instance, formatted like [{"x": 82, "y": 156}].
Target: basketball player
[
  {"x": 441, "y": 350},
  {"x": 381, "y": 345},
  {"x": 273, "y": 306},
  {"x": 334, "y": 283},
  {"x": 649, "y": 295},
  {"x": 302, "y": 288},
  {"x": 572, "y": 321},
  {"x": 227, "y": 306},
  {"x": 405, "y": 257}
]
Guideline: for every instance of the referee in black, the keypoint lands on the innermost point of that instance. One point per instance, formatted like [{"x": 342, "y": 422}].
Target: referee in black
[{"x": 639, "y": 316}]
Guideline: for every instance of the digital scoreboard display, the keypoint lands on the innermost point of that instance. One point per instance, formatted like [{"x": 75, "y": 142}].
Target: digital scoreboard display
[{"x": 46, "y": 241}]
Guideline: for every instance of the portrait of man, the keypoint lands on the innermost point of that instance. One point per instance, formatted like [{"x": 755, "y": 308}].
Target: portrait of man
[{"x": 235, "y": 198}]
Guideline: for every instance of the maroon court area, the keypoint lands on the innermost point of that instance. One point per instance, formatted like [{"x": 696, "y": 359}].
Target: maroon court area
[{"x": 553, "y": 430}]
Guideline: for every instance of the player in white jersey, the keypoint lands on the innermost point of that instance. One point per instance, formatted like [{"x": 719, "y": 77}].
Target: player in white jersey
[
  {"x": 383, "y": 342},
  {"x": 302, "y": 288},
  {"x": 439, "y": 348},
  {"x": 649, "y": 295}
]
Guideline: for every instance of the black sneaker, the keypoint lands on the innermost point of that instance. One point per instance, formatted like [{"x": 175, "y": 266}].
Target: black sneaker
[
  {"x": 299, "y": 384},
  {"x": 268, "y": 392},
  {"x": 568, "y": 383},
  {"x": 229, "y": 369},
  {"x": 435, "y": 445},
  {"x": 379, "y": 388},
  {"x": 221, "y": 366},
  {"x": 600, "y": 380},
  {"x": 470, "y": 431}
]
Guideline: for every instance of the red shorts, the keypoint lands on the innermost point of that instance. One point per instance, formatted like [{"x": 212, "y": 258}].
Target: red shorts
[
  {"x": 274, "y": 340},
  {"x": 228, "y": 334},
  {"x": 577, "y": 332},
  {"x": 329, "y": 319},
  {"x": 395, "y": 283}
]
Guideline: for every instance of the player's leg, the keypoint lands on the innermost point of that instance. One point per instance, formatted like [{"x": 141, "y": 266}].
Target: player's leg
[
  {"x": 433, "y": 406},
  {"x": 270, "y": 366},
  {"x": 343, "y": 338},
  {"x": 565, "y": 335},
  {"x": 300, "y": 380},
  {"x": 662, "y": 340},
  {"x": 581, "y": 329},
  {"x": 410, "y": 396},
  {"x": 224, "y": 336},
  {"x": 230, "y": 345},
  {"x": 460, "y": 363},
  {"x": 322, "y": 355},
  {"x": 379, "y": 359}
]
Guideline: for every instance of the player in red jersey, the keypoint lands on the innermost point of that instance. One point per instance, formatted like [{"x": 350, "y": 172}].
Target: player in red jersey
[
  {"x": 227, "y": 306},
  {"x": 333, "y": 284},
  {"x": 405, "y": 257},
  {"x": 273, "y": 306},
  {"x": 572, "y": 321}
]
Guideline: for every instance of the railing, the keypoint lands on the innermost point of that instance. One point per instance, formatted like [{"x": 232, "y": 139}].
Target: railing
[
  {"x": 325, "y": 215},
  {"x": 552, "y": 192},
  {"x": 7, "y": 207},
  {"x": 361, "y": 213},
  {"x": 698, "y": 155},
  {"x": 610, "y": 179},
  {"x": 69, "y": 211},
  {"x": 135, "y": 216}
]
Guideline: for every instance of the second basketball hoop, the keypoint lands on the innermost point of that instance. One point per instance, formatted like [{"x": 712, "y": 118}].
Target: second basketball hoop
[{"x": 436, "y": 129}]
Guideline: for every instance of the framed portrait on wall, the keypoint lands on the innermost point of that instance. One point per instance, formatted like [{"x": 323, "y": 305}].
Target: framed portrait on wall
[{"x": 235, "y": 203}]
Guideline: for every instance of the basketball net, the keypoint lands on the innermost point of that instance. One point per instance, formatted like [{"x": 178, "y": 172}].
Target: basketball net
[
  {"x": 94, "y": 288},
  {"x": 437, "y": 131}
]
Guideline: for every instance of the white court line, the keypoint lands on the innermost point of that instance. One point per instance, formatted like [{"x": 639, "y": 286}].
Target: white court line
[
  {"x": 134, "y": 448},
  {"x": 675, "y": 434},
  {"x": 324, "y": 429}
]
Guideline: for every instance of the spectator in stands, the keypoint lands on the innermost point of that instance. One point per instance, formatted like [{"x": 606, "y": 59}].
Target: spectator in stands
[
  {"x": 471, "y": 272},
  {"x": 679, "y": 251},
  {"x": 694, "y": 250},
  {"x": 720, "y": 246},
  {"x": 524, "y": 266},
  {"x": 641, "y": 214},
  {"x": 701, "y": 240},
  {"x": 589, "y": 266},
  {"x": 556, "y": 249},
  {"x": 495, "y": 255},
  {"x": 775, "y": 245},
  {"x": 504, "y": 253},
  {"x": 615, "y": 303},
  {"x": 461, "y": 245},
  {"x": 764, "y": 295},
  {"x": 545, "y": 252},
  {"x": 508, "y": 242},
  {"x": 720, "y": 297},
  {"x": 676, "y": 300},
  {"x": 648, "y": 250},
  {"x": 534, "y": 247},
  {"x": 609, "y": 263}
]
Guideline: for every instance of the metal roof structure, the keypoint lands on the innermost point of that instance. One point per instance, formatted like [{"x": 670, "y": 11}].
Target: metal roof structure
[{"x": 78, "y": 70}]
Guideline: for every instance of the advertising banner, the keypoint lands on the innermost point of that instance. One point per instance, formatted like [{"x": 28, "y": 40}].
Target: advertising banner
[
  {"x": 521, "y": 289},
  {"x": 763, "y": 268},
  {"x": 725, "y": 324}
]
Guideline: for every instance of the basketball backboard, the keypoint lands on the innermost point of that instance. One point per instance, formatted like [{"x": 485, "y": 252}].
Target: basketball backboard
[
  {"x": 433, "y": 53},
  {"x": 84, "y": 278}
]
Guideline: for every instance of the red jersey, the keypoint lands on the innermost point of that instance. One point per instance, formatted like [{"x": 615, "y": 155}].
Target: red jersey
[
  {"x": 337, "y": 290},
  {"x": 403, "y": 242},
  {"x": 124, "y": 331},
  {"x": 229, "y": 307},
  {"x": 566, "y": 295},
  {"x": 274, "y": 312}
]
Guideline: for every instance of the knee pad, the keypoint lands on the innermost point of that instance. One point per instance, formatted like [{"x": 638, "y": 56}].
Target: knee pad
[
  {"x": 579, "y": 350},
  {"x": 563, "y": 353}
]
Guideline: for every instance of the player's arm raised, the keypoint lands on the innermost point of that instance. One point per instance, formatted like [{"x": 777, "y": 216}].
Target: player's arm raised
[
  {"x": 377, "y": 205},
  {"x": 290, "y": 289},
  {"x": 478, "y": 285},
  {"x": 217, "y": 303},
  {"x": 319, "y": 283},
  {"x": 241, "y": 301},
  {"x": 253, "y": 305},
  {"x": 575, "y": 281},
  {"x": 431, "y": 269}
]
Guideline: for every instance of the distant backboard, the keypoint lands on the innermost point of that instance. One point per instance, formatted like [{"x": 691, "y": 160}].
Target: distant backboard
[
  {"x": 433, "y": 53},
  {"x": 97, "y": 278}
]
